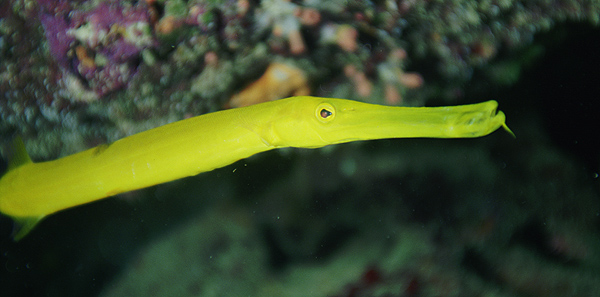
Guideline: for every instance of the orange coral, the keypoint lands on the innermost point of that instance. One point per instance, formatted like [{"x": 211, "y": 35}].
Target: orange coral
[
  {"x": 279, "y": 81},
  {"x": 395, "y": 78},
  {"x": 211, "y": 59},
  {"x": 287, "y": 18},
  {"x": 308, "y": 16},
  {"x": 84, "y": 57},
  {"x": 362, "y": 85},
  {"x": 167, "y": 24},
  {"x": 243, "y": 6},
  {"x": 346, "y": 38}
]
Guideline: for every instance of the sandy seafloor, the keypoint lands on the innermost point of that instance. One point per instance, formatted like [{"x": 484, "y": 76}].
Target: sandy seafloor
[{"x": 492, "y": 216}]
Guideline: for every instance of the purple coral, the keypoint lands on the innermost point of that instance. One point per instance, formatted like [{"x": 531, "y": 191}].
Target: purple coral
[
  {"x": 58, "y": 39},
  {"x": 101, "y": 46}
]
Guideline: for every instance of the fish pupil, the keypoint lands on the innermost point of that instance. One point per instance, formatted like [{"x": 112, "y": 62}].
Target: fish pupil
[{"x": 325, "y": 113}]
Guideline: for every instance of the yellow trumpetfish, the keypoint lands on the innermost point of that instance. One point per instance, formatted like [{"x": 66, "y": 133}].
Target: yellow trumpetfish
[{"x": 30, "y": 191}]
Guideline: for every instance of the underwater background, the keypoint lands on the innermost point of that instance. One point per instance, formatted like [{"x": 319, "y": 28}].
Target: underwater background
[{"x": 491, "y": 216}]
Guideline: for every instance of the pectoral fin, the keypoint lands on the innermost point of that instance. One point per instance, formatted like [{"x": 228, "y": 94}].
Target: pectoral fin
[
  {"x": 17, "y": 154},
  {"x": 24, "y": 225}
]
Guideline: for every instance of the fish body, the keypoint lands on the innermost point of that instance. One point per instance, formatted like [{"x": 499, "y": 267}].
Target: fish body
[{"x": 30, "y": 191}]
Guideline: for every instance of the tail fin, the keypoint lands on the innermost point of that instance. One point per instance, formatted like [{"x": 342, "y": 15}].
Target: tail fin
[{"x": 17, "y": 156}]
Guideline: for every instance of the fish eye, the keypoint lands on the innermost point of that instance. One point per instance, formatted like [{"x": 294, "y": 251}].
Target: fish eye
[{"x": 325, "y": 112}]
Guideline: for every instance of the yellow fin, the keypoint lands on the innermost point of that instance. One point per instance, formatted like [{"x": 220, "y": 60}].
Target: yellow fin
[
  {"x": 508, "y": 130},
  {"x": 24, "y": 225},
  {"x": 17, "y": 154}
]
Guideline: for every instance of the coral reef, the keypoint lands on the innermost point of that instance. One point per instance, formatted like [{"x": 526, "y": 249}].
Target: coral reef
[
  {"x": 98, "y": 64},
  {"x": 99, "y": 49},
  {"x": 285, "y": 18}
]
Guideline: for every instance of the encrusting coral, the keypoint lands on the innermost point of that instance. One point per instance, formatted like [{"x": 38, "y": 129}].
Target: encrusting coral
[
  {"x": 128, "y": 55},
  {"x": 279, "y": 80},
  {"x": 107, "y": 41},
  {"x": 395, "y": 78}
]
